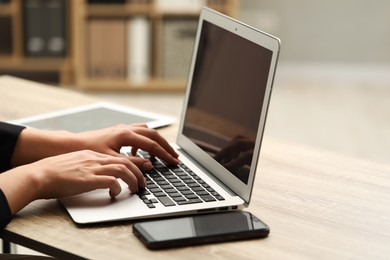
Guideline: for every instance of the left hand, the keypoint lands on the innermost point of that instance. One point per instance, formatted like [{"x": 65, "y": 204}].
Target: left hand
[{"x": 110, "y": 141}]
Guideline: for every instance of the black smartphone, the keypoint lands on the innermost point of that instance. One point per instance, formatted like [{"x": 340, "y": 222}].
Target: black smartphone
[{"x": 200, "y": 229}]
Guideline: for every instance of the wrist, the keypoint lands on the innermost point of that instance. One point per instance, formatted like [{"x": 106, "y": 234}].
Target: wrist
[
  {"x": 34, "y": 145},
  {"x": 20, "y": 186}
]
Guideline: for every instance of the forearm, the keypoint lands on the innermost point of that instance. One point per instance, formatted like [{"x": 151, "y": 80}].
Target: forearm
[{"x": 34, "y": 145}]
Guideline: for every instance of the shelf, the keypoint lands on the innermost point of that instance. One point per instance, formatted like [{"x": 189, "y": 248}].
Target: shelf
[
  {"x": 32, "y": 64},
  {"x": 152, "y": 85},
  {"x": 117, "y": 10},
  {"x": 75, "y": 67}
]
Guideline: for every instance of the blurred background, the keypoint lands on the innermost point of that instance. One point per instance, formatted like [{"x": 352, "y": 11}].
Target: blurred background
[{"x": 332, "y": 82}]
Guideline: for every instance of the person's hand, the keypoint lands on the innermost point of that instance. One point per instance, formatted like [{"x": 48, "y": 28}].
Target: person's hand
[
  {"x": 34, "y": 145},
  {"x": 69, "y": 174},
  {"x": 110, "y": 140},
  {"x": 82, "y": 171}
]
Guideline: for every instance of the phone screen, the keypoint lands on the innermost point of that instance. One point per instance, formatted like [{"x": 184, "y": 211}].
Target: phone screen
[{"x": 201, "y": 229}]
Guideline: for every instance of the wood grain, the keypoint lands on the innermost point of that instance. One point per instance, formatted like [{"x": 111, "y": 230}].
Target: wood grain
[{"x": 319, "y": 204}]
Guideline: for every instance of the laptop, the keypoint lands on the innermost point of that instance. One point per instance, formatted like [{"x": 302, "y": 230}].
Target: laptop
[{"x": 220, "y": 131}]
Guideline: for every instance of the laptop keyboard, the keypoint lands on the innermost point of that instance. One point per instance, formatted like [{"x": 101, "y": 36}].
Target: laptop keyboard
[{"x": 174, "y": 185}]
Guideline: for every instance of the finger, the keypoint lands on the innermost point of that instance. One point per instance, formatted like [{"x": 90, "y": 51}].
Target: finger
[
  {"x": 143, "y": 164},
  {"x": 134, "y": 151},
  {"x": 152, "y": 142},
  {"x": 132, "y": 177},
  {"x": 119, "y": 171},
  {"x": 106, "y": 182},
  {"x": 122, "y": 167},
  {"x": 135, "y": 170},
  {"x": 155, "y": 136}
]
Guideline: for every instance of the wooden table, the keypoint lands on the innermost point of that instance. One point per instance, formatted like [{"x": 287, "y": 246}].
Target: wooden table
[{"x": 319, "y": 205}]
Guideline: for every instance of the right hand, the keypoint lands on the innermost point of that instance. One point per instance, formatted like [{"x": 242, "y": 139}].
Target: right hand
[{"x": 83, "y": 171}]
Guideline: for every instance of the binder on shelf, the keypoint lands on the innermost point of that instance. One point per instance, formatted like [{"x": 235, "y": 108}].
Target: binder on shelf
[
  {"x": 94, "y": 47},
  {"x": 34, "y": 33},
  {"x": 117, "y": 49},
  {"x": 139, "y": 49},
  {"x": 6, "y": 35},
  {"x": 44, "y": 28},
  {"x": 106, "y": 47},
  {"x": 55, "y": 28},
  {"x": 177, "y": 43}
]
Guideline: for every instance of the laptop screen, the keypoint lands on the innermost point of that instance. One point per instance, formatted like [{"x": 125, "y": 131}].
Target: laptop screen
[{"x": 227, "y": 92}]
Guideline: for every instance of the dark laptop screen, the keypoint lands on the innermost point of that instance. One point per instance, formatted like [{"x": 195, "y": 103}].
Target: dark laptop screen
[{"x": 226, "y": 98}]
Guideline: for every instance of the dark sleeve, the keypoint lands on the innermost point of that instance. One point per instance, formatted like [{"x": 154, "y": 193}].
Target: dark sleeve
[
  {"x": 5, "y": 212},
  {"x": 8, "y": 136}
]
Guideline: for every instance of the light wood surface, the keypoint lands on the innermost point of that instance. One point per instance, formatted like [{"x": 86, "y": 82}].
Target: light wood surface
[{"x": 319, "y": 204}]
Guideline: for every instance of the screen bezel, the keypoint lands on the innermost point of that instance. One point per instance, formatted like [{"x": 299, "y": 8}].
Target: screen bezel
[{"x": 260, "y": 38}]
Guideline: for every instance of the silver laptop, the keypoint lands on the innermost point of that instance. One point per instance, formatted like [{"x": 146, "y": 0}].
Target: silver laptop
[{"x": 220, "y": 133}]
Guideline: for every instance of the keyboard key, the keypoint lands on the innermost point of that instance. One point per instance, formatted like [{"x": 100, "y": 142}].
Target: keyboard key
[
  {"x": 202, "y": 193},
  {"x": 220, "y": 198},
  {"x": 187, "y": 192},
  {"x": 159, "y": 194},
  {"x": 191, "y": 201},
  {"x": 170, "y": 190},
  {"x": 179, "y": 199},
  {"x": 153, "y": 174},
  {"x": 152, "y": 186},
  {"x": 197, "y": 189},
  {"x": 176, "y": 180},
  {"x": 191, "y": 196},
  {"x": 143, "y": 197},
  {"x": 191, "y": 181},
  {"x": 153, "y": 200},
  {"x": 170, "y": 176},
  {"x": 178, "y": 184},
  {"x": 143, "y": 192},
  {"x": 166, "y": 201},
  {"x": 163, "y": 182},
  {"x": 160, "y": 178},
  {"x": 183, "y": 188},
  {"x": 208, "y": 198},
  {"x": 174, "y": 194},
  {"x": 155, "y": 190},
  {"x": 166, "y": 186},
  {"x": 193, "y": 185}
]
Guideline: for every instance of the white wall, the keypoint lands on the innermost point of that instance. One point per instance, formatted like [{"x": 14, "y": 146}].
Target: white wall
[{"x": 343, "y": 31}]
